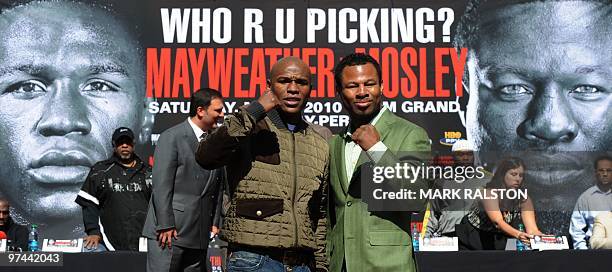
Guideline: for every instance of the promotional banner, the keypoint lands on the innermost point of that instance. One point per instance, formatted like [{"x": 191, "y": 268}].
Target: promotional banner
[{"x": 507, "y": 76}]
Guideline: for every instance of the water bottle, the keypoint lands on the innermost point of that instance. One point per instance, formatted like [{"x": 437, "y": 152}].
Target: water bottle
[
  {"x": 33, "y": 238},
  {"x": 415, "y": 238},
  {"x": 519, "y": 244}
]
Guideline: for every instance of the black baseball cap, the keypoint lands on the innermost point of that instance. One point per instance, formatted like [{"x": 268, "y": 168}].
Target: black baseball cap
[{"x": 123, "y": 132}]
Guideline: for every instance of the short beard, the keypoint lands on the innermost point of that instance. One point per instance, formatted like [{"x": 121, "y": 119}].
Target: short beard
[
  {"x": 359, "y": 120},
  {"x": 126, "y": 159}
]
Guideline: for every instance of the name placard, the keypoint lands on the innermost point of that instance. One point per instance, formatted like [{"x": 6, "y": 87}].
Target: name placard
[
  {"x": 67, "y": 246},
  {"x": 549, "y": 242},
  {"x": 438, "y": 244}
]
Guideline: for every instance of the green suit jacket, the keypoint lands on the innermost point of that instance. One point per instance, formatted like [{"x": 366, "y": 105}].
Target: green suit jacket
[{"x": 371, "y": 241}]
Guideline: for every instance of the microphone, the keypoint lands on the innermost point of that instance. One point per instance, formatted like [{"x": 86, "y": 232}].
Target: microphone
[{"x": 2, "y": 235}]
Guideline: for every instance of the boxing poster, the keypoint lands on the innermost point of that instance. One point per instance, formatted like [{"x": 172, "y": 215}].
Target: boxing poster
[{"x": 529, "y": 79}]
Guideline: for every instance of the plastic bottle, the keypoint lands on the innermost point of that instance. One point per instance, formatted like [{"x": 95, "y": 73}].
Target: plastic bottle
[
  {"x": 33, "y": 238},
  {"x": 415, "y": 238},
  {"x": 519, "y": 244}
]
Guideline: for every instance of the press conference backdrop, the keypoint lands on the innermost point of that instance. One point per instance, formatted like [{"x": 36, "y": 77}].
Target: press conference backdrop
[{"x": 460, "y": 75}]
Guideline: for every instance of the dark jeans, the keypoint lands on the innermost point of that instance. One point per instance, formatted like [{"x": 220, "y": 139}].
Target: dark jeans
[{"x": 248, "y": 261}]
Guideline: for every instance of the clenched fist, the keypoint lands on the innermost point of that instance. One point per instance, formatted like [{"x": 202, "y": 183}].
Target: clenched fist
[
  {"x": 366, "y": 136},
  {"x": 268, "y": 100}
]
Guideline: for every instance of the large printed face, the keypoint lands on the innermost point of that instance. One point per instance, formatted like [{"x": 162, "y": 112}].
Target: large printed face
[
  {"x": 69, "y": 76},
  {"x": 540, "y": 79}
]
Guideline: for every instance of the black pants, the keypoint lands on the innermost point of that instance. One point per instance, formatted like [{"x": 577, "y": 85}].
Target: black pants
[{"x": 471, "y": 238}]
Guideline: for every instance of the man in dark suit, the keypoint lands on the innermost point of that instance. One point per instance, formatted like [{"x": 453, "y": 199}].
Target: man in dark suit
[{"x": 185, "y": 196}]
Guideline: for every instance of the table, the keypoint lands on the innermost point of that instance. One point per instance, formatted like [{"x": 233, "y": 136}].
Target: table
[
  {"x": 563, "y": 260},
  {"x": 558, "y": 260}
]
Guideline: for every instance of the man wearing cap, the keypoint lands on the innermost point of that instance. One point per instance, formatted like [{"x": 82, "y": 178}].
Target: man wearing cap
[
  {"x": 445, "y": 213},
  {"x": 115, "y": 197}
]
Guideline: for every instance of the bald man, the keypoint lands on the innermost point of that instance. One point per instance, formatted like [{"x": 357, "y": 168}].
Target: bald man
[
  {"x": 538, "y": 73},
  {"x": 277, "y": 176}
]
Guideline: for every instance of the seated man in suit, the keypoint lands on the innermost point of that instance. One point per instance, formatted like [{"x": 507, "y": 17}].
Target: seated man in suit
[
  {"x": 185, "y": 195},
  {"x": 360, "y": 240}
]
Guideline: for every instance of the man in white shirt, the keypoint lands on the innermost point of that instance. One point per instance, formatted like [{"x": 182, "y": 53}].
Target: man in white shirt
[
  {"x": 358, "y": 239},
  {"x": 593, "y": 201}
]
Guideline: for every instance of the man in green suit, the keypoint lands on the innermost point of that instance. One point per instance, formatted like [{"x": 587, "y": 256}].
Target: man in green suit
[{"x": 360, "y": 240}]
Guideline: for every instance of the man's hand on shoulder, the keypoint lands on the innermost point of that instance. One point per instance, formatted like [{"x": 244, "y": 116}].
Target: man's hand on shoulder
[
  {"x": 92, "y": 241},
  {"x": 164, "y": 237},
  {"x": 366, "y": 136}
]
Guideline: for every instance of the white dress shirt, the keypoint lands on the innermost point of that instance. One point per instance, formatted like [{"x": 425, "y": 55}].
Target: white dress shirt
[
  {"x": 197, "y": 130},
  {"x": 352, "y": 151}
]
